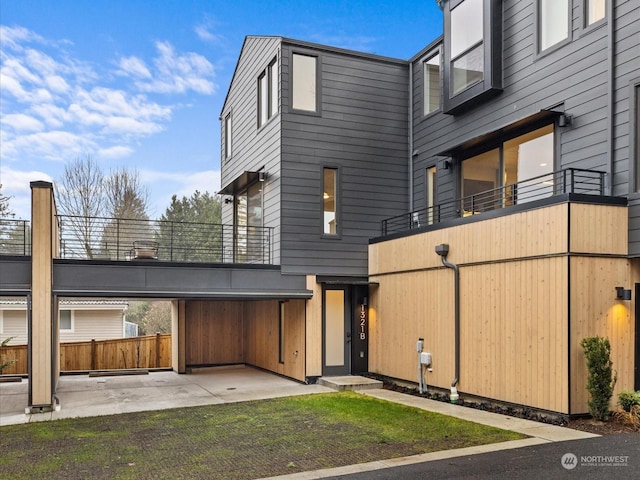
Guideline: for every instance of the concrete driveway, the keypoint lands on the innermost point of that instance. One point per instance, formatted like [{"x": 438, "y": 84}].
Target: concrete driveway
[{"x": 84, "y": 396}]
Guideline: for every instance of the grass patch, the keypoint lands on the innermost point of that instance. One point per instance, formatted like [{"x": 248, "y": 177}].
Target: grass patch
[{"x": 234, "y": 441}]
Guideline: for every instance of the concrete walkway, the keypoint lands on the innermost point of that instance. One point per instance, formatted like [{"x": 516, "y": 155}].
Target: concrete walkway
[{"x": 83, "y": 396}]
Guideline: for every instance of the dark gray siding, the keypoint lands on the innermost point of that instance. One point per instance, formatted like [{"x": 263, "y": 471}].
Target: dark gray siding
[
  {"x": 361, "y": 130},
  {"x": 627, "y": 77},
  {"x": 573, "y": 78},
  {"x": 253, "y": 148}
]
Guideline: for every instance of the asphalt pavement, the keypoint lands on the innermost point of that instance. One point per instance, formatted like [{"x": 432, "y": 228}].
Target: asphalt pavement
[{"x": 607, "y": 457}]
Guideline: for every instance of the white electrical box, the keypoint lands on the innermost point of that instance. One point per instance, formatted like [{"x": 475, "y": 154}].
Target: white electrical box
[{"x": 425, "y": 358}]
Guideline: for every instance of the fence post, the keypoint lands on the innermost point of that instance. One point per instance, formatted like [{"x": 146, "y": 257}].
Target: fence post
[
  {"x": 93, "y": 354},
  {"x": 157, "y": 350}
]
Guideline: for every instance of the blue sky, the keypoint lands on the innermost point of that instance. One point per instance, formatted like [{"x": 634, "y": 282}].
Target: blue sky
[{"x": 140, "y": 83}]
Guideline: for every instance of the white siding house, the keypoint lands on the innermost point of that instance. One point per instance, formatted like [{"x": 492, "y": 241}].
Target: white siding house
[{"x": 80, "y": 320}]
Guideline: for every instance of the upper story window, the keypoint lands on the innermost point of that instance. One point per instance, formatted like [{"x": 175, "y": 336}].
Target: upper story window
[
  {"x": 467, "y": 55},
  {"x": 268, "y": 92},
  {"x": 330, "y": 201},
  {"x": 594, "y": 11},
  {"x": 553, "y": 22},
  {"x": 227, "y": 137},
  {"x": 431, "y": 75},
  {"x": 472, "y": 52},
  {"x": 304, "y": 83}
]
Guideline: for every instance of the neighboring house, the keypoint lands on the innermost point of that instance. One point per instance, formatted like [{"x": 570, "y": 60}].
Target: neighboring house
[
  {"x": 80, "y": 320},
  {"x": 513, "y": 140}
]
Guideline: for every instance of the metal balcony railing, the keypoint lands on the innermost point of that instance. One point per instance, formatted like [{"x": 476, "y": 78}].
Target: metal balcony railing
[
  {"x": 15, "y": 237},
  {"x": 100, "y": 238},
  {"x": 570, "y": 180}
]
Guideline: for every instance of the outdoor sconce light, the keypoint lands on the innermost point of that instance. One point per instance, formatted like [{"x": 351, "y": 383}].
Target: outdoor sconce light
[
  {"x": 623, "y": 294},
  {"x": 227, "y": 201},
  {"x": 565, "y": 120},
  {"x": 262, "y": 176},
  {"x": 446, "y": 164}
]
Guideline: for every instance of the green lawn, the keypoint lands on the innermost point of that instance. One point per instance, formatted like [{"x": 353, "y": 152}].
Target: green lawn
[{"x": 234, "y": 441}]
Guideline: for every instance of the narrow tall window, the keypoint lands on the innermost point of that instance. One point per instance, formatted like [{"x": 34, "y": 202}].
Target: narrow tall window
[
  {"x": 432, "y": 84},
  {"x": 330, "y": 201},
  {"x": 553, "y": 22},
  {"x": 594, "y": 11},
  {"x": 268, "y": 93},
  {"x": 304, "y": 83},
  {"x": 227, "y": 137}
]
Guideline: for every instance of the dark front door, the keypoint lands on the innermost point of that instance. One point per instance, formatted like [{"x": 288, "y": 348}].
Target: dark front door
[{"x": 336, "y": 331}]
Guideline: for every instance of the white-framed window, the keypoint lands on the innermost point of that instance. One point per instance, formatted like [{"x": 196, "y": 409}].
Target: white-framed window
[
  {"x": 304, "y": 81},
  {"x": 66, "y": 321},
  {"x": 228, "y": 138},
  {"x": 268, "y": 92},
  {"x": 431, "y": 80},
  {"x": 430, "y": 194},
  {"x": 594, "y": 11},
  {"x": 553, "y": 22}
]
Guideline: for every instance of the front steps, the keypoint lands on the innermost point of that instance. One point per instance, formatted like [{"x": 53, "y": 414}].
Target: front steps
[{"x": 350, "y": 382}]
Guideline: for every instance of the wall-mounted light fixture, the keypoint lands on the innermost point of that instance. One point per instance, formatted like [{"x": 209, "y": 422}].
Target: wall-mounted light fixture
[
  {"x": 623, "y": 294},
  {"x": 564, "y": 120},
  {"x": 228, "y": 200},
  {"x": 262, "y": 176},
  {"x": 446, "y": 165}
]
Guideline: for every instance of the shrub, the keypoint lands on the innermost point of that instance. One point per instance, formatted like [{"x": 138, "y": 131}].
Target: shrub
[
  {"x": 5, "y": 363},
  {"x": 601, "y": 378},
  {"x": 628, "y": 399}
]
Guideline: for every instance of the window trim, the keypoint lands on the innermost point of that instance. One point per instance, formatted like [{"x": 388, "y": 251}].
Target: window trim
[
  {"x": 437, "y": 51},
  {"x": 318, "y": 111},
  {"x": 337, "y": 201},
  {"x": 539, "y": 51},
  {"x": 491, "y": 83}
]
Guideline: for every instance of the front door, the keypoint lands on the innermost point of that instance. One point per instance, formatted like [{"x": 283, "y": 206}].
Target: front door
[{"x": 336, "y": 326}]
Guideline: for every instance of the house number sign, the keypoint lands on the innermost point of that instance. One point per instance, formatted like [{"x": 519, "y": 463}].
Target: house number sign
[{"x": 363, "y": 322}]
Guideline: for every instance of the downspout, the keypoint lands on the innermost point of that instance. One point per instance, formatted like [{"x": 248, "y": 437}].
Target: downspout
[
  {"x": 410, "y": 149},
  {"x": 443, "y": 251},
  {"x": 611, "y": 90}
]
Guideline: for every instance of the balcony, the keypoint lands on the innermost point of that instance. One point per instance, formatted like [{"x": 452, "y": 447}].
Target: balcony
[
  {"x": 15, "y": 237},
  {"x": 567, "y": 181},
  {"x": 116, "y": 239},
  {"x": 98, "y": 238}
]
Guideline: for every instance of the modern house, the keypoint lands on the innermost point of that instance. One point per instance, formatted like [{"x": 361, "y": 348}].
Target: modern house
[
  {"x": 478, "y": 201},
  {"x": 480, "y": 196},
  {"x": 80, "y": 319}
]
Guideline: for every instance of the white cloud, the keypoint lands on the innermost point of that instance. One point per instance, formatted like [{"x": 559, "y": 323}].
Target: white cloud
[
  {"x": 53, "y": 145},
  {"x": 16, "y": 185},
  {"x": 175, "y": 73},
  {"x": 118, "y": 151},
  {"x": 204, "y": 33},
  {"x": 22, "y": 123},
  {"x": 13, "y": 37},
  {"x": 134, "y": 67}
]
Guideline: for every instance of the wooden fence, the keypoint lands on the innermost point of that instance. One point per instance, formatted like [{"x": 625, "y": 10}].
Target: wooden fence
[{"x": 152, "y": 351}]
